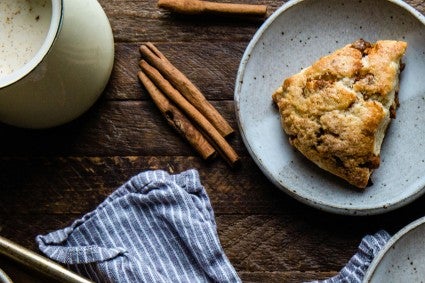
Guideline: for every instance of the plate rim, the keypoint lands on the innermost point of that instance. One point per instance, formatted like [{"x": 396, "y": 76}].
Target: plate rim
[
  {"x": 337, "y": 209},
  {"x": 391, "y": 242}
]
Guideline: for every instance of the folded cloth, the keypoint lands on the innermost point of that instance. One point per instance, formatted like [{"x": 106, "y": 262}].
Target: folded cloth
[
  {"x": 156, "y": 227},
  {"x": 356, "y": 268}
]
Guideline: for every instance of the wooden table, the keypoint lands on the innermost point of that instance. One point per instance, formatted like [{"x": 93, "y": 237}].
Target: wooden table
[{"x": 48, "y": 178}]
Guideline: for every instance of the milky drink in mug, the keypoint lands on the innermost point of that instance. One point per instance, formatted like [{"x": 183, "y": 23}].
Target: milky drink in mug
[
  {"x": 56, "y": 57},
  {"x": 24, "y": 25}
]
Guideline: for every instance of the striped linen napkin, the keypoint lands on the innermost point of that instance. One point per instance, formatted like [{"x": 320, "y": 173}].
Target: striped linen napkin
[
  {"x": 155, "y": 228},
  {"x": 159, "y": 227}
]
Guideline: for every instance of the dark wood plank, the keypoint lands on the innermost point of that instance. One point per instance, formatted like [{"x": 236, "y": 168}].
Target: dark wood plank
[
  {"x": 134, "y": 21},
  {"x": 276, "y": 260},
  {"x": 63, "y": 185},
  {"x": 58, "y": 185},
  {"x": 49, "y": 178},
  {"x": 279, "y": 277},
  {"x": 263, "y": 231},
  {"x": 110, "y": 129},
  {"x": 211, "y": 66},
  {"x": 259, "y": 244},
  {"x": 255, "y": 243},
  {"x": 20, "y": 274}
]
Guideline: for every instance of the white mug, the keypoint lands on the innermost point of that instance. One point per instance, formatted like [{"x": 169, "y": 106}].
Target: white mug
[{"x": 66, "y": 74}]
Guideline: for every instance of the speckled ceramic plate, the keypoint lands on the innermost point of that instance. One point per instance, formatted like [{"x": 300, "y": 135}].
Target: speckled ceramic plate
[
  {"x": 292, "y": 38},
  {"x": 403, "y": 258}
]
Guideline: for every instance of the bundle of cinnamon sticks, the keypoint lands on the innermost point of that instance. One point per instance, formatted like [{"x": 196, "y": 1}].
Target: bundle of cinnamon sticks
[{"x": 184, "y": 106}]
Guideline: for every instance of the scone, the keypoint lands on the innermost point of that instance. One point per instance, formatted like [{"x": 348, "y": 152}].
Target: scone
[{"x": 336, "y": 111}]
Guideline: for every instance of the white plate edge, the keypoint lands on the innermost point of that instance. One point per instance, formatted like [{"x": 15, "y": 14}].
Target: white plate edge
[
  {"x": 316, "y": 204},
  {"x": 394, "y": 239}
]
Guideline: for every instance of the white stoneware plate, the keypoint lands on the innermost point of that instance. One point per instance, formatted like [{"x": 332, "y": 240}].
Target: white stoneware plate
[
  {"x": 403, "y": 258},
  {"x": 292, "y": 38}
]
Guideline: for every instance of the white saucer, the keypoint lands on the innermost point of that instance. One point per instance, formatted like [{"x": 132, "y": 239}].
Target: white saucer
[{"x": 293, "y": 37}]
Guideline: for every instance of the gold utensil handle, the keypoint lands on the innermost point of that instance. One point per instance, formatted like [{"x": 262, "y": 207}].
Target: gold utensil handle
[{"x": 38, "y": 262}]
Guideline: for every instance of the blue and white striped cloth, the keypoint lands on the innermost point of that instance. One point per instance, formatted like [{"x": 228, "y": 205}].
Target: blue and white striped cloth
[
  {"x": 159, "y": 227},
  {"x": 155, "y": 228}
]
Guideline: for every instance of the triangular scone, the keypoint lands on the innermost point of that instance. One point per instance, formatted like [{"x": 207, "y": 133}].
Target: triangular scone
[{"x": 337, "y": 110}]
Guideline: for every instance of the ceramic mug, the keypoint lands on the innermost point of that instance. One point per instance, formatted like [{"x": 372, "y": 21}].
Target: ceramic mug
[{"x": 67, "y": 73}]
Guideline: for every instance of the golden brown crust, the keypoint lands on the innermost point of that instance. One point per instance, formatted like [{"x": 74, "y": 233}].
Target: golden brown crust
[{"x": 336, "y": 111}]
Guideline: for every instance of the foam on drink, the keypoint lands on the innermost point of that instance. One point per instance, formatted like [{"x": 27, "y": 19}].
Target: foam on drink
[{"x": 24, "y": 25}]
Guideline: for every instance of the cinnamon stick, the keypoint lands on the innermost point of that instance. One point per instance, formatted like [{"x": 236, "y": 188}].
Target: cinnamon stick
[
  {"x": 180, "y": 82},
  {"x": 177, "y": 119},
  {"x": 197, "y": 7},
  {"x": 208, "y": 129}
]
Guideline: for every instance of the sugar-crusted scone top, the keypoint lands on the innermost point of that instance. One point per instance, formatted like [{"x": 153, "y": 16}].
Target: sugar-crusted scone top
[{"x": 337, "y": 110}]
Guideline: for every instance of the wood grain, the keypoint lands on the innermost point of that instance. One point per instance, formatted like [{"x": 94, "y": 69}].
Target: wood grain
[
  {"x": 216, "y": 82},
  {"x": 49, "y": 178},
  {"x": 110, "y": 128}
]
